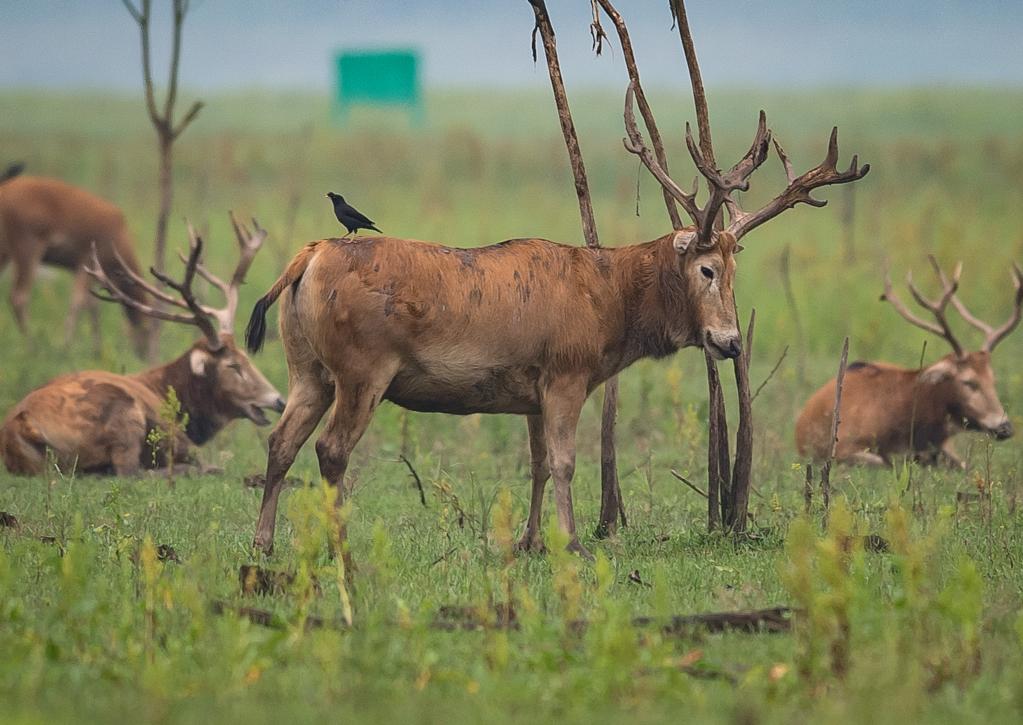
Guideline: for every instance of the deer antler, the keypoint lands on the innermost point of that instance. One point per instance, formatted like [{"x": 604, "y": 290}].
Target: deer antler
[
  {"x": 722, "y": 184},
  {"x": 936, "y": 307},
  {"x": 798, "y": 190},
  {"x": 200, "y": 315},
  {"x": 992, "y": 336},
  {"x": 249, "y": 242}
]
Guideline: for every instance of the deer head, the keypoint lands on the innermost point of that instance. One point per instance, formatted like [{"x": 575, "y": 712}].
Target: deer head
[
  {"x": 706, "y": 248},
  {"x": 965, "y": 380},
  {"x": 240, "y": 390}
]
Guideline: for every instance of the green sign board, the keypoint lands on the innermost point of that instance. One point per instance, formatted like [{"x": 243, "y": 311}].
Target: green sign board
[{"x": 379, "y": 78}]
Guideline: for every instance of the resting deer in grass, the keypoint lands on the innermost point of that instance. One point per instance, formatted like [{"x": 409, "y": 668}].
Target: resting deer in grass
[
  {"x": 99, "y": 422},
  {"x": 527, "y": 326},
  {"x": 888, "y": 410},
  {"x": 48, "y": 221}
]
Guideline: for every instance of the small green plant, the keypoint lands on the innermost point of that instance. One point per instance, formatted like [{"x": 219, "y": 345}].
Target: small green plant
[
  {"x": 168, "y": 433},
  {"x": 823, "y": 576}
]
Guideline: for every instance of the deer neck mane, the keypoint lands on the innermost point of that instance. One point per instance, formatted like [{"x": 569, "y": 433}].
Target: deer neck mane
[
  {"x": 196, "y": 393},
  {"x": 658, "y": 315}
]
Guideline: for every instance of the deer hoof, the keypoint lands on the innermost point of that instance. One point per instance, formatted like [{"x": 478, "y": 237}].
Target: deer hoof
[
  {"x": 261, "y": 547},
  {"x": 578, "y": 549},
  {"x": 531, "y": 545}
]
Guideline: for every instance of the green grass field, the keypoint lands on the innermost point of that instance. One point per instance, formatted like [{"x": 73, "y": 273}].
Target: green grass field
[{"x": 94, "y": 627}]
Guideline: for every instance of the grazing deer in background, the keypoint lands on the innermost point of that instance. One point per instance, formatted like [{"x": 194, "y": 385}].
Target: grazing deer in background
[
  {"x": 526, "y": 326},
  {"x": 99, "y": 422},
  {"x": 48, "y": 221},
  {"x": 888, "y": 410}
]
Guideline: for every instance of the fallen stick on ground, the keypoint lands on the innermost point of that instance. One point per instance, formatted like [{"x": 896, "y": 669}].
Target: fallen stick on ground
[{"x": 456, "y": 618}]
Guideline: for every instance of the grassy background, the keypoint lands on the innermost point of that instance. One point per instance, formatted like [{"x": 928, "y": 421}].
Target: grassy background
[{"x": 92, "y": 633}]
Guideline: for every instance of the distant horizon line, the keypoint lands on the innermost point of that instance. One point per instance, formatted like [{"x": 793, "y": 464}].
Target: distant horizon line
[{"x": 800, "y": 89}]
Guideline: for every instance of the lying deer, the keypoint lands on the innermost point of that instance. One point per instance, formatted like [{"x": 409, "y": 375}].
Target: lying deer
[
  {"x": 48, "y": 221},
  {"x": 888, "y": 410},
  {"x": 526, "y": 326},
  {"x": 100, "y": 422}
]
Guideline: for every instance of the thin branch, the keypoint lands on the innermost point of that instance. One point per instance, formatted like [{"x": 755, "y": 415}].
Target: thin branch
[
  {"x": 770, "y": 374},
  {"x": 597, "y": 34},
  {"x": 188, "y": 118},
  {"x": 415, "y": 477},
  {"x": 689, "y": 483},
  {"x": 695, "y": 79},
  {"x": 835, "y": 420},
  {"x": 575, "y": 157},
  {"x": 641, "y": 101}
]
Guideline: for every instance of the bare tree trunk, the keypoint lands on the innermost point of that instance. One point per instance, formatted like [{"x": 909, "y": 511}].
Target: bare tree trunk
[
  {"x": 167, "y": 131},
  {"x": 166, "y": 201},
  {"x": 743, "y": 468},
  {"x": 718, "y": 456},
  {"x": 733, "y": 492},
  {"x": 835, "y": 421},
  {"x": 611, "y": 508}
]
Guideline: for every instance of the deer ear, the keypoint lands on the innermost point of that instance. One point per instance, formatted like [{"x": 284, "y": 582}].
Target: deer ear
[
  {"x": 682, "y": 240},
  {"x": 941, "y": 370},
  {"x": 197, "y": 361}
]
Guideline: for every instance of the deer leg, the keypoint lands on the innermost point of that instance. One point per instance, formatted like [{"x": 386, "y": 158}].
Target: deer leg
[
  {"x": 562, "y": 403},
  {"x": 308, "y": 400},
  {"x": 864, "y": 458},
  {"x": 24, "y": 274},
  {"x": 539, "y": 471},
  {"x": 949, "y": 455},
  {"x": 79, "y": 297},
  {"x": 97, "y": 336},
  {"x": 125, "y": 459},
  {"x": 355, "y": 400}
]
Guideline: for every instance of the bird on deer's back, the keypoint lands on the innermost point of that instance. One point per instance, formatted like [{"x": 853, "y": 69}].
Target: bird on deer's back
[{"x": 351, "y": 218}]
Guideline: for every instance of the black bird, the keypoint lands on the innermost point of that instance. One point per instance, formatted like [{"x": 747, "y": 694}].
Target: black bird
[
  {"x": 350, "y": 217},
  {"x": 13, "y": 170}
]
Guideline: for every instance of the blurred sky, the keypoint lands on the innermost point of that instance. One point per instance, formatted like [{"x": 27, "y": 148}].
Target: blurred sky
[{"x": 472, "y": 43}]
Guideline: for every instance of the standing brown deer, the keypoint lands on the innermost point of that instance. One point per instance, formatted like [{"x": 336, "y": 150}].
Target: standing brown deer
[
  {"x": 99, "y": 422},
  {"x": 48, "y": 221},
  {"x": 526, "y": 326},
  {"x": 888, "y": 410}
]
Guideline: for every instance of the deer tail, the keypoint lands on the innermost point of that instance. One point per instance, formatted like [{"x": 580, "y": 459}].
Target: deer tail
[
  {"x": 256, "y": 329},
  {"x": 22, "y": 446}
]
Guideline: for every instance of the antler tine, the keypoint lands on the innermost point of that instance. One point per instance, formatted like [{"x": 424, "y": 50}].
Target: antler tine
[
  {"x": 207, "y": 275},
  {"x": 147, "y": 286},
  {"x": 96, "y": 271},
  {"x": 634, "y": 144},
  {"x": 1002, "y": 332},
  {"x": 799, "y": 188},
  {"x": 201, "y": 315},
  {"x": 249, "y": 242},
  {"x": 737, "y": 178},
  {"x": 790, "y": 175},
  {"x": 890, "y": 296},
  {"x": 200, "y": 268},
  {"x": 937, "y": 308},
  {"x": 961, "y": 308}
]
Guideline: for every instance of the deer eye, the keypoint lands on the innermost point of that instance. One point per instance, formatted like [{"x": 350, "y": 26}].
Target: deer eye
[
  {"x": 707, "y": 272},
  {"x": 972, "y": 384},
  {"x": 236, "y": 367}
]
